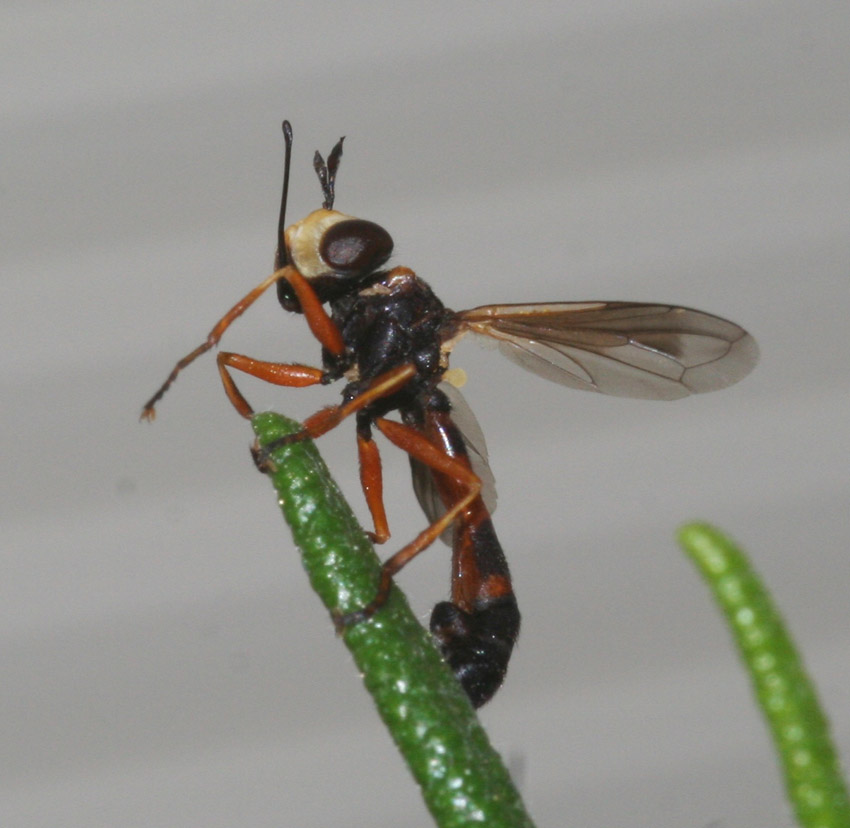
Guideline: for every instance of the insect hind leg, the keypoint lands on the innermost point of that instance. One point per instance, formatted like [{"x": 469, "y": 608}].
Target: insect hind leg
[{"x": 417, "y": 446}]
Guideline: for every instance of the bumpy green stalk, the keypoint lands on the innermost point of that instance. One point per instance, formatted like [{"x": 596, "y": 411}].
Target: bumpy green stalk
[
  {"x": 785, "y": 693},
  {"x": 462, "y": 778}
]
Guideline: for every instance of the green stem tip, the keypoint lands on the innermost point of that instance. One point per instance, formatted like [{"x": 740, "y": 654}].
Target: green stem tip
[
  {"x": 784, "y": 691},
  {"x": 462, "y": 778}
]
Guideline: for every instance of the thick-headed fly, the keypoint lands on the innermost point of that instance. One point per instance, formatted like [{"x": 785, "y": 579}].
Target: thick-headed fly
[{"x": 390, "y": 338}]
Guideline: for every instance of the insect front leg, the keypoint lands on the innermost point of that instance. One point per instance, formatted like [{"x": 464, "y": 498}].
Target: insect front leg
[{"x": 321, "y": 325}]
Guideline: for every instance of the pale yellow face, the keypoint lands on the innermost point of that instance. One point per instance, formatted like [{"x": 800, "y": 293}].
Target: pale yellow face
[{"x": 304, "y": 241}]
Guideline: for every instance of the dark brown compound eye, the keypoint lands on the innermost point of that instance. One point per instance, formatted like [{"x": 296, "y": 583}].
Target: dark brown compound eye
[{"x": 355, "y": 246}]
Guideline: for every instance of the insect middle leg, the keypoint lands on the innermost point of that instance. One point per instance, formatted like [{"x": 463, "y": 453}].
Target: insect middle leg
[
  {"x": 329, "y": 418},
  {"x": 371, "y": 478}
]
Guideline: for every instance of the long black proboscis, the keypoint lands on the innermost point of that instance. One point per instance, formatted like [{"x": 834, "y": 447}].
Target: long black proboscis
[{"x": 280, "y": 255}]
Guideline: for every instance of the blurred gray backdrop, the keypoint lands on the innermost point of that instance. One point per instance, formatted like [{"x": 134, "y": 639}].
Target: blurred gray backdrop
[{"x": 164, "y": 661}]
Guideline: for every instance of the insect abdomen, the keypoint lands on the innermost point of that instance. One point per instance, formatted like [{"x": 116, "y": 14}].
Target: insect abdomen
[{"x": 477, "y": 645}]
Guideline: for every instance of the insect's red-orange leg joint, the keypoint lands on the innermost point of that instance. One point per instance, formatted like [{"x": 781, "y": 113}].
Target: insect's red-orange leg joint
[
  {"x": 277, "y": 373},
  {"x": 420, "y": 448}
]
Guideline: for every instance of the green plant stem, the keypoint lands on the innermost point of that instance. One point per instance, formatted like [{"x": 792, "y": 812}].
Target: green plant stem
[
  {"x": 785, "y": 693},
  {"x": 462, "y": 778}
]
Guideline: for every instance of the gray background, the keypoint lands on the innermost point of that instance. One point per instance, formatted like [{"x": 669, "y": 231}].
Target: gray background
[{"x": 164, "y": 662}]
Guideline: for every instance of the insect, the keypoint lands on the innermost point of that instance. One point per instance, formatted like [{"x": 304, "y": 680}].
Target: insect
[{"x": 390, "y": 338}]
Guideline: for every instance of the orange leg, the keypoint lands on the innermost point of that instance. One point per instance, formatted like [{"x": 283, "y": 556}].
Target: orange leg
[
  {"x": 322, "y": 326},
  {"x": 420, "y": 448},
  {"x": 320, "y": 323},
  {"x": 371, "y": 479},
  {"x": 277, "y": 373}
]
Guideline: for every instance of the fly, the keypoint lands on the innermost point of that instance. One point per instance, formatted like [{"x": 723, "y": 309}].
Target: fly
[{"x": 390, "y": 338}]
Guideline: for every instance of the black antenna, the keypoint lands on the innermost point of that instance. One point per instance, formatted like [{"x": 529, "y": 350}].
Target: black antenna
[
  {"x": 280, "y": 255},
  {"x": 327, "y": 172}
]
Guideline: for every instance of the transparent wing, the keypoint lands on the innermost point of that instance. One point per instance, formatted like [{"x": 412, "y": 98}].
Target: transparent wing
[
  {"x": 473, "y": 439},
  {"x": 626, "y": 349}
]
